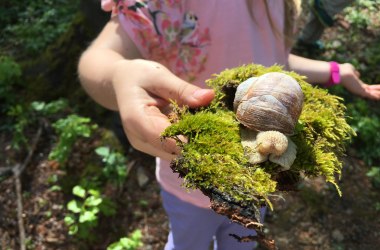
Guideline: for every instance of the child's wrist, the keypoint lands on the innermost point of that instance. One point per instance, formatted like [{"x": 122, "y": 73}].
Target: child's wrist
[
  {"x": 118, "y": 70},
  {"x": 335, "y": 75}
]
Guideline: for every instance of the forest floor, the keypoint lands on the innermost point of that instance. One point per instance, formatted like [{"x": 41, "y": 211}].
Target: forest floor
[{"x": 314, "y": 217}]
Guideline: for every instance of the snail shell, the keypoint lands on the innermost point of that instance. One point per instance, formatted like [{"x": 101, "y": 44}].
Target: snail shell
[{"x": 272, "y": 101}]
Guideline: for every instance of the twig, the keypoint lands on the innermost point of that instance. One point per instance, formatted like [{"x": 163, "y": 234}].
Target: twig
[
  {"x": 6, "y": 170},
  {"x": 19, "y": 212},
  {"x": 17, "y": 170},
  {"x": 260, "y": 238}
]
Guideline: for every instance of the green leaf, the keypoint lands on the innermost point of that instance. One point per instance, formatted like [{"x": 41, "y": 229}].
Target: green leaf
[
  {"x": 73, "y": 229},
  {"x": 94, "y": 210},
  {"x": 103, "y": 151},
  {"x": 132, "y": 242},
  {"x": 87, "y": 216},
  {"x": 55, "y": 106},
  {"x": 38, "y": 106},
  {"x": 93, "y": 201},
  {"x": 115, "y": 246},
  {"x": 79, "y": 191},
  {"x": 125, "y": 242},
  {"x": 69, "y": 219},
  {"x": 74, "y": 206},
  {"x": 373, "y": 172},
  {"x": 94, "y": 192},
  {"x": 111, "y": 159},
  {"x": 55, "y": 188}
]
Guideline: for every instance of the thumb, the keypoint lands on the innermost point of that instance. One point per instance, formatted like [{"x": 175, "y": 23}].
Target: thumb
[
  {"x": 166, "y": 85},
  {"x": 184, "y": 93},
  {"x": 197, "y": 97}
]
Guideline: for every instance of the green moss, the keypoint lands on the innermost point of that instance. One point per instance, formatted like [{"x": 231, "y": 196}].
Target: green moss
[{"x": 213, "y": 156}]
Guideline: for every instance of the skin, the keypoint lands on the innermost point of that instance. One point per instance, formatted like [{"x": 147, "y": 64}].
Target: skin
[
  {"x": 114, "y": 75},
  {"x": 318, "y": 72}
]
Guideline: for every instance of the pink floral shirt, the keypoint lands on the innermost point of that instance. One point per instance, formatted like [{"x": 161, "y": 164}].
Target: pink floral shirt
[{"x": 197, "y": 38}]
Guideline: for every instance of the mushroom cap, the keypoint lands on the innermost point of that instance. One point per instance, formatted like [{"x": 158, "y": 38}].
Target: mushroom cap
[
  {"x": 272, "y": 102},
  {"x": 271, "y": 142},
  {"x": 269, "y": 145}
]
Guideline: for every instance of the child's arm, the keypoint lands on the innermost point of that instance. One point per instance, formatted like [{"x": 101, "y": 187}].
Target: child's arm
[
  {"x": 97, "y": 63},
  {"x": 113, "y": 75},
  {"x": 318, "y": 72}
]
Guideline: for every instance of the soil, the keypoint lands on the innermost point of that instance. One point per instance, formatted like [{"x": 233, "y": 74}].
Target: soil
[{"x": 44, "y": 207}]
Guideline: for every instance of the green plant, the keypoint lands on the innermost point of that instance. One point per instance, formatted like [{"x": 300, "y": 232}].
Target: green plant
[
  {"x": 115, "y": 165},
  {"x": 366, "y": 123},
  {"x": 10, "y": 73},
  {"x": 132, "y": 242},
  {"x": 377, "y": 206},
  {"x": 35, "y": 24},
  {"x": 85, "y": 210},
  {"x": 51, "y": 108},
  {"x": 29, "y": 244},
  {"x": 374, "y": 174},
  {"x": 22, "y": 117},
  {"x": 354, "y": 14},
  {"x": 69, "y": 129}
]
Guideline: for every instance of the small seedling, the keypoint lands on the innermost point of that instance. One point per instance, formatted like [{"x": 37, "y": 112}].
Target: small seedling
[
  {"x": 69, "y": 130},
  {"x": 132, "y": 242},
  {"x": 115, "y": 165},
  {"x": 85, "y": 210}
]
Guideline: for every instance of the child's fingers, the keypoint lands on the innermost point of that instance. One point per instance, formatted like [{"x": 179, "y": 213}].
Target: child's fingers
[
  {"x": 158, "y": 81},
  {"x": 143, "y": 126},
  {"x": 182, "y": 92},
  {"x": 164, "y": 84}
]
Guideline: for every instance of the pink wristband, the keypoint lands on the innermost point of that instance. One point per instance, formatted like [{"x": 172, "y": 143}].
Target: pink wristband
[{"x": 334, "y": 75}]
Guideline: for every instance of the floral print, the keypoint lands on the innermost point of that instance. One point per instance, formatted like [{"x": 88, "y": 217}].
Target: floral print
[{"x": 165, "y": 32}]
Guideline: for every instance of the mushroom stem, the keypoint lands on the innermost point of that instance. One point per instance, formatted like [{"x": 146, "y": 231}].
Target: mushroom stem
[{"x": 249, "y": 142}]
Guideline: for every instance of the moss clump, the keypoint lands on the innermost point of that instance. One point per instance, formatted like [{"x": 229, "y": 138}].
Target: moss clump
[{"x": 213, "y": 157}]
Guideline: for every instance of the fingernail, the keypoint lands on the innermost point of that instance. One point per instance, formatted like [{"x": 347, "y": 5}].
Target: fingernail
[{"x": 199, "y": 93}]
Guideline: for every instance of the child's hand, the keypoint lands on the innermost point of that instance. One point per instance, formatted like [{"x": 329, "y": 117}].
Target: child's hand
[
  {"x": 143, "y": 90},
  {"x": 351, "y": 81}
]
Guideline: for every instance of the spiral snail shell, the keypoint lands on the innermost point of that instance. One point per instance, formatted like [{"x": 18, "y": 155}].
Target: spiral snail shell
[
  {"x": 272, "y": 101},
  {"x": 269, "y": 107}
]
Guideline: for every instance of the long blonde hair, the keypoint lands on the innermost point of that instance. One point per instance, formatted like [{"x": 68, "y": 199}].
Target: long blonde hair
[
  {"x": 292, "y": 12},
  {"x": 292, "y": 9}
]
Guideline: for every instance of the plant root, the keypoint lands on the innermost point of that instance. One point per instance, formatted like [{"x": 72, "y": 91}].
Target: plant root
[{"x": 261, "y": 239}]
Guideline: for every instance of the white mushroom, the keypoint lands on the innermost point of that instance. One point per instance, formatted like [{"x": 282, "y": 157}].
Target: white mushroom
[{"x": 272, "y": 145}]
